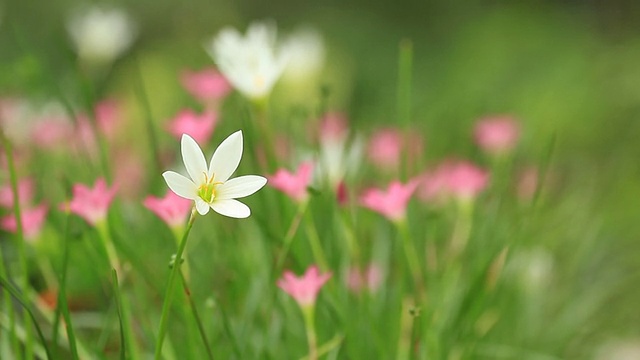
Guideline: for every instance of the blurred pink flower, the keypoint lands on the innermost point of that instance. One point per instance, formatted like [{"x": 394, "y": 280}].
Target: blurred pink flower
[
  {"x": 453, "y": 179},
  {"x": 199, "y": 127},
  {"x": 206, "y": 85},
  {"x": 385, "y": 148},
  {"x": 391, "y": 203},
  {"x": 465, "y": 180},
  {"x": 370, "y": 279},
  {"x": 51, "y": 133},
  {"x": 497, "y": 135},
  {"x": 294, "y": 185},
  {"x": 304, "y": 289},
  {"x": 342, "y": 194},
  {"x": 91, "y": 204},
  {"x": 334, "y": 128},
  {"x": 108, "y": 116},
  {"x": 172, "y": 209},
  {"x": 25, "y": 193},
  {"x": 130, "y": 175},
  {"x": 32, "y": 221}
]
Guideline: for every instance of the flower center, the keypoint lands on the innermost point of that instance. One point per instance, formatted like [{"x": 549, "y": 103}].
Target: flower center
[{"x": 207, "y": 190}]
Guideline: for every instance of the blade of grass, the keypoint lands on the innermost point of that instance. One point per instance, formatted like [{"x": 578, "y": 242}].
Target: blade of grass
[
  {"x": 20, "y": 243},
  {"x": 116, "y": 293},
  {"x": 62, "y": 305},
  {"x": 18, "y": 296},
  {"x": 194, "y": 311}
]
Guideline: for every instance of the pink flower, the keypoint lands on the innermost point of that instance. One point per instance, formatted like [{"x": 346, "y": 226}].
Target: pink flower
[
  {"x": 51, "y": 132},
  {"x": 108, "y": 115},
  {"x": 25, "y": 193},
  {"x": 453, "y": 179},
  {"x": 199, "y": 127},
  {"x": 385, "y": 148},
  {"x": 92, "y": 204},
  {"x": 465, "y": 180},
  {"x": 369, "y": 279},
  {"x": 391, "y": 203},
  {"x": 172, "y": 209},
  {"x": 130, "y": 175},
  {"x": 304, "y": 289},
  {"x": 32, "y": 221},
  {"x": 334, "y": 128},
  {"x": 294, "y": 185},
  {"x": 497, "y": 135},
  {"x": 206, "y": 85}
]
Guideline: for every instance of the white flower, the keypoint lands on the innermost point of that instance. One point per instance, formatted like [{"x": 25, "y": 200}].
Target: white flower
[
  {"x": 101, "y": 34},
  {"x": 252, "y": 63},
  {"x": 211, "y": 187}
]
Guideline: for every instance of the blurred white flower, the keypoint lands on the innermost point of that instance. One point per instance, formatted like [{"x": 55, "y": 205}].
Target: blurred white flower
[
  {"x": 306, "y": 53},
  {"x": 619, "y": 350},
  {"x": 101, "y": 34},
  {"x": 252, "y": 63},
  {"x": 533, "y": 269}
]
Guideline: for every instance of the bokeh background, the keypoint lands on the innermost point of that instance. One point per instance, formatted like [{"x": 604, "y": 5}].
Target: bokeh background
[{"x": 569, "y": 71}]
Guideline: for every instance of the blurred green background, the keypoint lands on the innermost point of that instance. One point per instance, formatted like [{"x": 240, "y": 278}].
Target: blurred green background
[{"x": 568, "y": 70}]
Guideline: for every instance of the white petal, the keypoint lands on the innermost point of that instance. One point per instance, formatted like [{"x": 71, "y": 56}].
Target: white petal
[
  {"x": 193, "y": 159},
  {"x": 180, "y": 185},
  {"x": 226, "y": 158},
  {"x": 202, "y": 207},
  {"x": 231, "y": 208},
  {"x": 240, "y": 187}
]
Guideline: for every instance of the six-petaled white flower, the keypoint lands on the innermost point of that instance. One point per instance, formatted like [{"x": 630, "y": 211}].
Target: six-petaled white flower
[
  {"x": 252, "y": 63},
  {"x": 210, "y": 187}
]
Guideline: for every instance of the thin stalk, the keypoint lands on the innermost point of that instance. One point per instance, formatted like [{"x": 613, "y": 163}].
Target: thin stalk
[
  {"x": 412, "y": 257},
  {"x": 405, "y": 68},
  {"x": 288, "y": 238},
  {"x": 166, "y": 305},
  {"x": 196, "y": 316},
  {"x": 461, "y": 229},
  {"x": 116, "y": 293},
  {"x": 260, "y": 112},
  {"x": 107, "y": 243},
  {"x": 328, "y": 346},
  {"x": 314, "y": 241},
  {"x": 22, "y": 253},
  {"x": 148, "y": 117},
  {"x": 310, "y": 328},
  {"x": 62, "y": 305}
]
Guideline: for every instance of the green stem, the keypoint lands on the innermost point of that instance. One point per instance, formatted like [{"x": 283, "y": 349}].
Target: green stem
[
  {"x": 405, "y": 67},
  {"x": 166, "y": 305},
  {"x": 288, "y": 238},
  {"x": 260, "y": 111},
  {"x": 107, "y": 243},
  {"x": 8, "y": 307},
  {"x": 22, "y": 254},
  {"x": 196, "y": 316},
  {"x": 309, "y": 325},
  {"x": 62, "y": 304},
  {"x": 462, "y": 228},
  {"x": 116, "y": 293},
  {"x": 144, "y": 100},
  {"x": 314, "y": 241},
  {"x": 412, "y": 257}
]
